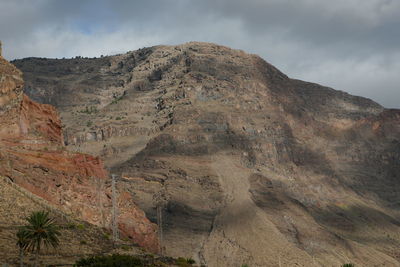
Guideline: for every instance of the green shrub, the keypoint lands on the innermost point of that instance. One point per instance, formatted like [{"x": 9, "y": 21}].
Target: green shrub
[
  {"x": 180, "y": 261},
  {"x": 190, "y": 261},
  {"x": 108, "y": 261},
  {"x": 116, "y": 98},
  {"x": 107, "y": 236},
  {"x": 83, "y": 242},
  {"x": 75, "y": 226},
  {"x": 184, "y": 262},
  {"x": 71, "y": 226},
  {"x": 348, "y": 265},
  {"x": 125, "y": 247},
  {"x": 126, "y": 239}
]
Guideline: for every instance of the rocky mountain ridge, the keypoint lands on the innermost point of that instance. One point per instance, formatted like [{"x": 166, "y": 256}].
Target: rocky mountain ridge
[{"x": 254, "y": 167}]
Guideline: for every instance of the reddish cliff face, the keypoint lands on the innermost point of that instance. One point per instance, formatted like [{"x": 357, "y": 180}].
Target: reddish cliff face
[
  {"x": 40, "y": 118},
  {"x": 32, "y": 155}
]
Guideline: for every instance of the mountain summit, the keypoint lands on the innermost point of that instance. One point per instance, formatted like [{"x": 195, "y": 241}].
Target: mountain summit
[{"x": 253, "y": 167}]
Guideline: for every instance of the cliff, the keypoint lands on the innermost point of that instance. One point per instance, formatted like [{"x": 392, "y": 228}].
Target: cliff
[{"x": 33, "y": 156}]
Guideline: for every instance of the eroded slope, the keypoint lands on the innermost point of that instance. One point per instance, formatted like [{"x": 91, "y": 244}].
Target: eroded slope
[
  {"x": 255, "y": 168},
  {"x": 33, "y": 156}
]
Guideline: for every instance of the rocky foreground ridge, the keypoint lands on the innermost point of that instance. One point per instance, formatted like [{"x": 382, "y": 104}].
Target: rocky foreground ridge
[
  {"x": 33, "y": 156},
  {"x": 254, "y": 167}
]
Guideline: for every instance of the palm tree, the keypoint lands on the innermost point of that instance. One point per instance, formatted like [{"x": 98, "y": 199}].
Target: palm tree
[
  {"x": 21, "y": 243},
  {"x": 40, "y": 231}
]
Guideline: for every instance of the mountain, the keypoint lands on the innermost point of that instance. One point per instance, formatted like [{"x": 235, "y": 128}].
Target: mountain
[
  {"x": 33, "y": 159},
  {"x": 248, "y": 165}
]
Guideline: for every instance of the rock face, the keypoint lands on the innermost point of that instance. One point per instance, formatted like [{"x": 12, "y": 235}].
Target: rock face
[
  {"x": 16, "y": 204},
  {"x": 254, "y": 167},
  {"x": 33, "y": 156}
]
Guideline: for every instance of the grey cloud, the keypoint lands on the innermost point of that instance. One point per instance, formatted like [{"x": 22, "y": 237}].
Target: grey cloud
[{"x": 349, "y": 45}]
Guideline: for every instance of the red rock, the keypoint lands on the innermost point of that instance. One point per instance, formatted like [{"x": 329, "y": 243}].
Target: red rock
[
  {"x": 33, "y": 156},
  {"x": 42, "y": 118}
]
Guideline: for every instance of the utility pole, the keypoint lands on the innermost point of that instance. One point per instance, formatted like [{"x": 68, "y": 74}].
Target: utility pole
[
  {"x": 100, "y": 200},
  {"x": 160, "y": 228},
  {"x": 10, "y": 166},
  {"x": 114, "y": 209},
  {"x": 160, "y": 200}
]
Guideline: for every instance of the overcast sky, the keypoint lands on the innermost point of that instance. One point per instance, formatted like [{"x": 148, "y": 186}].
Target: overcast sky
[{"x": 350, "y": 45}]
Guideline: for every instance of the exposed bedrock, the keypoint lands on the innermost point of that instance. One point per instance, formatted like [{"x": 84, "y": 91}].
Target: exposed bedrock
[
  {"x": 253, "y": 167},
  {"x": 33, "y": 156}
]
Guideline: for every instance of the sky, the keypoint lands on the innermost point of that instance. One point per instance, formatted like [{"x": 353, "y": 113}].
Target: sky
[{"x": 349, "y": 45}]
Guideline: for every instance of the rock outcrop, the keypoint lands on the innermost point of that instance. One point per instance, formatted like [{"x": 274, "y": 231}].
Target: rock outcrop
[
  {"x": 254, "y": 167},
  {"x": 32, "y": 155}
]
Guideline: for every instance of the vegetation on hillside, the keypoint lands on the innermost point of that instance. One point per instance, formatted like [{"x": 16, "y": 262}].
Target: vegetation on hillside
[
  {"x": 132, "y": 261},
  {"x": 40, "y": 231}
]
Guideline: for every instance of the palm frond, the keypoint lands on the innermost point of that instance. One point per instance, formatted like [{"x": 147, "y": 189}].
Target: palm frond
[{"x": 40, "y": 231}]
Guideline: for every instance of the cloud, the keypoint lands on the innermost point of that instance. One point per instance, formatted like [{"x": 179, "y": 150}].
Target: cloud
[{"x": 348, "y": 45}]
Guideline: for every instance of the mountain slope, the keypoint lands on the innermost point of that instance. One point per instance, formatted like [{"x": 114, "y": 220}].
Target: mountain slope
[
  {"x": 254, "y": 167},
  {"x": 32, "y": 156},
  {"x": 78, "y": 238}
]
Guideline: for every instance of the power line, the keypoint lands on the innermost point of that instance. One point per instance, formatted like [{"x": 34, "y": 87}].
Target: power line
[{"x": 114, "y": 209}]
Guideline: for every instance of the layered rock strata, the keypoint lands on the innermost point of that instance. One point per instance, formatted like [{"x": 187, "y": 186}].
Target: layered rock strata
[
  {"x": 32, "y": 155},
  {"x": 253, "y": 167}
]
